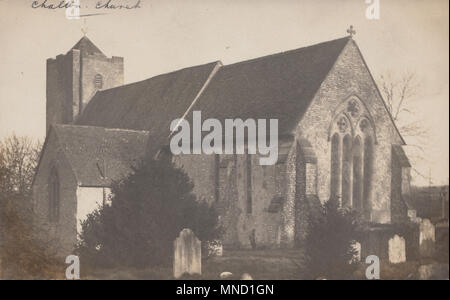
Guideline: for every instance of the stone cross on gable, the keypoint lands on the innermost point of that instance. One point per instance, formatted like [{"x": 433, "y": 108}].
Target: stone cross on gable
[
  {"x": 351, "y": 31},
  {"x": 84, "y": 28}
]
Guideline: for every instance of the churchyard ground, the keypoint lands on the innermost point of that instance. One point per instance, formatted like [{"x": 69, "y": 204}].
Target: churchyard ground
[{"x": 269, "y": 264}]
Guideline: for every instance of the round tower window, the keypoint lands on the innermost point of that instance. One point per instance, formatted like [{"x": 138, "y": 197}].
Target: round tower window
[{"x": 98, "y": 81}]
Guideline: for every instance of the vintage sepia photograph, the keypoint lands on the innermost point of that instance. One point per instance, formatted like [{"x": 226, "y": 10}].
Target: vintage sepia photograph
[{"x": 223, "y": 140}]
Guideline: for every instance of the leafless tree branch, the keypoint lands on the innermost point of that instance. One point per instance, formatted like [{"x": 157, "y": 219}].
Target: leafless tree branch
[{"x": 398, "y": 92}]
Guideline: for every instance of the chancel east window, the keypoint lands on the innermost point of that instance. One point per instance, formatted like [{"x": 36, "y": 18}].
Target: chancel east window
[
  {"x": 352, "y": 139},
  {"x": 54, "y": 196}
]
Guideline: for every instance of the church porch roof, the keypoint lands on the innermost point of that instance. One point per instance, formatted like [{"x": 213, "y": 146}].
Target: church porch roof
[{"x": 98, "y": 155}]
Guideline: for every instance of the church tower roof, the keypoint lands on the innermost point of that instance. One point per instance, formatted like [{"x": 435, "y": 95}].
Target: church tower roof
[{"x": 86, "y": 46}]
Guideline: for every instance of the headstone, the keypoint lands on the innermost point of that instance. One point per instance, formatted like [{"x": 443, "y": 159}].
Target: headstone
[
  {"x": 397, "y": 250},
  {"x": 434, "y": 271},
  {"x": 425, "y": 272},
  {"x": 246, "y": 276},
  {"x": 187, "y": 258},
  {"x": 412, "y": 214},
  {"x": 427, "y": 238},
  {"x": 215, "y": 248},
  {"x": 226, "y": 275},
  {"x": 357, "y": 248}
]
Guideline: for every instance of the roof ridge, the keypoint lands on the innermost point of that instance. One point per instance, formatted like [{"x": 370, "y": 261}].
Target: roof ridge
[
  {"x": 223, "y": 65},
  {"x": 100, "y": 127},
  {"x": 159, "y": 75},
  {"x": 286, "y": 52}
]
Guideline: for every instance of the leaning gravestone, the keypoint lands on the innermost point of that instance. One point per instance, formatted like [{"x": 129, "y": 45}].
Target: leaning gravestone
[
  {"x": 187, "y": 257},
  {"x": 427, "y": 238},
  {"x": 397, "y": 250}
]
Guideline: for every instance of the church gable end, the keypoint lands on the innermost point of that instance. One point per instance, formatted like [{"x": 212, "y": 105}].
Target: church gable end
[
  {"x": 54, "y": 196},
  {"x": 352, "y": 133}
]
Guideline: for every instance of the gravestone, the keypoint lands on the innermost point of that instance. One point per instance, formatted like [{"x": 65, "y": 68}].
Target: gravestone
[
  {"x": 412, "y": 214},
  {"x": 246, "y": 276},
  {"x": 357, "y": 248},
  {"x": 425, "y": 272},
  {"x": 427, "y": 238},
  {"x": 226, "y": 275},
  {"x": 397, "y": 250},
  {"x": 215, "y": 248},
  {"x": 433, "y": 271},
  {"x": 187, "y": 257}
]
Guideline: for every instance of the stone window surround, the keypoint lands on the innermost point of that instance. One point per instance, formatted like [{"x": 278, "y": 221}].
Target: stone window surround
[
  {"x": 98, "y": 81},
  {"x": 353, "y": 120}
]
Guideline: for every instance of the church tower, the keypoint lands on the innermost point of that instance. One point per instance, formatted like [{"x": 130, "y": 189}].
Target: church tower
[{"x": 73, "y": 79}]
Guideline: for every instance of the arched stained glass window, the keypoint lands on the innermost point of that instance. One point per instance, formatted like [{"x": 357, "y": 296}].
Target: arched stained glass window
[
  {"x": 346, "y": 170},
  {"x": 352, "y": 137},
  {"x": 368, "y": 173},
  {"x": 357, "y": 174},
  {"x": 335, "y": 166}
]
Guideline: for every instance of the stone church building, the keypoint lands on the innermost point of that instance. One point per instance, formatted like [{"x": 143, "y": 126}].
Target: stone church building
[{"x": 336, "y": 139}]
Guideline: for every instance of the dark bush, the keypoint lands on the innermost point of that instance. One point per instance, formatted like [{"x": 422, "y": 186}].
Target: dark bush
[
  {"x": 149, "y": 209},
  {"x": 330, "y": 242}
]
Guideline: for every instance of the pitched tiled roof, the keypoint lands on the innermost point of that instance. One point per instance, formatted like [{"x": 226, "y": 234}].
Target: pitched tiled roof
[
  {"x": 279, "y": 86},
  {"x": 98, "y": 155},
  {"x": 275, "y": 86},
  {"x": 151, "y": 104},
  {"x": 87, "y": 47}
]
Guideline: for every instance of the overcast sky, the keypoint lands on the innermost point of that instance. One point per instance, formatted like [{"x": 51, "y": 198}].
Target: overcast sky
[{"x": 162, "y": 36}]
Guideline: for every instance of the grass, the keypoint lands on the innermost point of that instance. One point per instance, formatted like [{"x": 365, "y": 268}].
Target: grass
[
  {"x": 276, "y": 264},
  {"x": 264, "y": 265},
  {"x": 260, "y": 264}
]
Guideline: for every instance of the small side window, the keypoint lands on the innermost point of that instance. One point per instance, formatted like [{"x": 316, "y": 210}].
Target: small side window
[
  {"x": 98, "y": 81},
  {"x": 54, "y": 200}
]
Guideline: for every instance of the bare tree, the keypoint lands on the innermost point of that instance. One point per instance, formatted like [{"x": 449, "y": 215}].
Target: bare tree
[
  {"x": 18, "y": 161},
  {"x": 22, "y": 255},
  {"x": 398, "y": 92}
]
